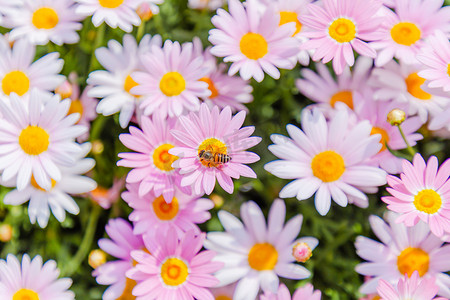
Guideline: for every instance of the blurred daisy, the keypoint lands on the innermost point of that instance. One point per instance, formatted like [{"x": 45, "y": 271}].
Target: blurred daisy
[
  {"x": 205, "y": 4},
  {"x": 151, "y": 213},
  {"x": 422, "y": 193},
  {"x": 403, "y": 250},
  {"x": 44, "y": 21},
  {"x": 105, "y": 197},
  {"x": 170, "y": 84},
  {"x": 37, "y": 140},
  {"x": 113, "y": 85},
  {"x": 175, "y": 269},
  {"x": 224, "y": 292},
  {"x": 254, "y": 43},
  {"x": 212, "y": 146},
  {"x": 85, "y": 106},
  {"x": 58, "y": 198},
  {"x": 19, "y": 280},
  {"x": 303, "y": 293},
  {"x": 256, "y": 254},
  {"x": 339, "y": 27},
  {"x": 112, "y": 273},
  {"x": 326, "y": 159}
]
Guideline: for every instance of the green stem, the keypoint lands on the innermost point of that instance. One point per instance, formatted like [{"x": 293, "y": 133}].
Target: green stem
[
  {"x": 408, "y": 146},
  {"x": 98, "y": 42},
  {"x": 140, "y": 31}
]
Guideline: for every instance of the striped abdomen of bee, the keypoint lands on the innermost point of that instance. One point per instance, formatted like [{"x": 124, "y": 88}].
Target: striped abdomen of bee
[{"x": 213, "y": 159}]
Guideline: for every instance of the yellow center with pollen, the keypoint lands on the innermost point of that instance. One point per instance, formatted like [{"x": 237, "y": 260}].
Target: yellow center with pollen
[
  {"x": 76, "y": 107},
  {"x": 328, "y": 166},
  {"x": 129, "y": 286},
  {"x": 172, "y": 84},
  {"x": 174, "y": 271},
  {"x": 290, "y": 16},
  {"x": 162, "y": 158},
  {"x": 129, "y": 84},
  {"x": 427, "y": 201},
  {"x": 262, "y": 257},
  {"x": 37, "y": 186},
  {"x": 413, "y": 85},
  {"x": 384, "y": 136},
  {"x": 25, "y": 294},
  {"x": 211, "y": 87},
  {"x": 405, "y": 33},
  {"x": 253, "y": 45},
  {"x": 165, "y": 211},
  {"x": 413, "y": 259},
  {"x": 342, "y": 30},
  {"x": 222, "y": 297},
  {"x": 448, "y": 70},
  {"x": 45, "y": 18},
  {"x": 34, "y": 140},
  {"x": 17, "y": 82},
  {"x": 110, "y": 3},
  {"x": 344, "y": 97},
  {"x": 214, "y": 146}
]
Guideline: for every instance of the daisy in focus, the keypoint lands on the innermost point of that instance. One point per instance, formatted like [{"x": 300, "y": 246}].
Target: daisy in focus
[
  {"x": 339, "y": 27},
  {"x": 403, "y": 250},
  {"x": 253, "y": 42},
  {"x": 327, "y": 159},
  {"x": 212, "y": 146},
  {"x": 256, "y": 254},
  {"x": 304, "y": 293},
  {"x": 422, "y": 193},
  {"x": 18, "y": 280}
]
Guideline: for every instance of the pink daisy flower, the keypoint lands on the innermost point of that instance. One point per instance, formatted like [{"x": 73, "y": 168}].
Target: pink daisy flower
[
  {"x": 212, "y": 146},
  {"x": 151, "y": 213},
  {"x": 175, "y": 269},
  {"x": 32, "y": 280},
  {"x": 152, "y": 163},
  {"x": 254, "y": 43},
  {"x": 112, "y": 273},
  {"x": 339, "y": 27},
  {"x": 304, "y": 293},
  {"x": 422, "y": 193}
]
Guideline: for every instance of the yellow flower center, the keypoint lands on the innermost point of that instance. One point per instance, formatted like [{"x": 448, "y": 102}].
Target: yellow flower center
[
  {"x": 129, "y": 84},
  {"x": 34, "y": 140},
  {"x": 45, "y": 18},
  {"x": 174, "y": 271},
  {"x": 162, "y": 158},
  {"x": 384, "y": 136},
  {"x": 76, "y": 107},
  {"x": 17, "y": 82},
  {"x": 344, "y": 97},
  {"x": 25, "y": 294},
  {"x": 37, "y": 186},
  {"x": 262, "y": 257},
  {"x": 165, "y": 211},
  {"x": 328, "y": 166},
  {"x": 253, "y": 45},
  {"x": 427, "y": 201},
  {"x": 448, "y": 70},
  {"x": 376, "y": 298},
  {"x": 129, "y": 286},
  {"x": 290, "y": 16},
  {"x": 211, "y": 87},
  {"x": 342, "y": 30},
  {"x": 214, "y": 146},
  {"x": 110, "y": 3},
  {"x": 223, "y": 297},
  {"x": 172, "y": 84},
  {"x": 405, "y": 33},
  {"x": 413, "y": 85},
  {"x": 413, "y": 259}
]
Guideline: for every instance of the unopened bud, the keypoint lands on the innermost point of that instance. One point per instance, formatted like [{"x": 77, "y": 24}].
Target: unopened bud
[
  {"x": 97, "y": 147},
  {"x": 396, "y": 117},
  {"x": 301, "y": 252},
  {"x": 97, "y": 258},
  {"x": 6, "y": 232},
  {"x": 144, "y": 12},
  {"x": 217, "y": 200},
  {"x": 64, "y": 90}
]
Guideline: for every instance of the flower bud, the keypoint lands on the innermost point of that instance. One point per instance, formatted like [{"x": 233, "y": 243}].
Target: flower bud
[
  {"x": 6, "y": 232},
  {"x": 301, "y": 252},
  {"x": 144, "y": 12},
  {"x": 97, "y": 258},
  {"x": 97, "y": 147},
  {"x": 217, "y": 200},
  {"x": 396, "y": 117},
  {"x": 64, "y": 90}
]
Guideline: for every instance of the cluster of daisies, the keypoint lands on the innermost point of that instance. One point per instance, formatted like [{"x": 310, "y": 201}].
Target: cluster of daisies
[{"x": 188, "y": 111}]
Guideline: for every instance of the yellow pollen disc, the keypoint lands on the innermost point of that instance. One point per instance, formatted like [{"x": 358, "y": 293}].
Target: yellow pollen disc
[
  {"x": 37, "y": 186},
  {"x": 45, "y": 18},
  {"x": 110, "y": 3},
  {"x": 376, "y": 298},
  {"x": 25, "y": 294},
  {"x": 34, "y": 140},
  {"x": 172, "y": 84},
  {"x": 448, "y": 70},
  {"x": 342, "y": 30},
  {"x": 100, "y": 192},
  {"x": 211, "y": 87},
  {"x": 253, "y": 45},
  {"x": 174, "y": 271},
  {"x": 17, "y": 82},
  {"x": 405, "y": 33},
  {"x": 290, "y": 16},
  {"x": 129, "y": 286},
  {"x": 262, "y": 257},
  {"x": 162, "y": 158},
  {"x": 428, "y": 201},
  {"x": 165, "y": 211},
  {"x": 384, "y": 136},
  {"x": 76, "y": 107},
  {"x": 344, "y": 97},
  {"x": 328, "y": 166},
  {"x": 129, "y": 84},
  {"x": 413, "y": 85},
  {"x": 214, "y": 146},
  {"x": 222, "y": 297},
  {"x": 413, "y": 259}
]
